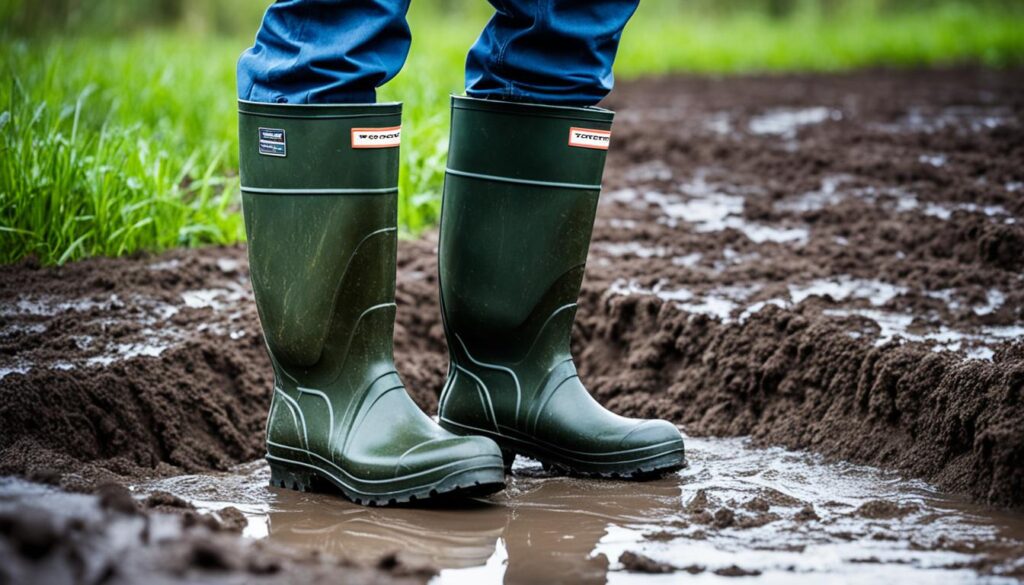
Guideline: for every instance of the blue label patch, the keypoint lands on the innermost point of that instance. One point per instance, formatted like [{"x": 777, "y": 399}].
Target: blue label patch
[{"x": 273, "y": 142}]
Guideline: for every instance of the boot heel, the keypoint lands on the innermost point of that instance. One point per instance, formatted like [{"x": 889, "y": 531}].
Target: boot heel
[
  {"x": 293, "y": 478},
  {"x": 508, "y": 457}
]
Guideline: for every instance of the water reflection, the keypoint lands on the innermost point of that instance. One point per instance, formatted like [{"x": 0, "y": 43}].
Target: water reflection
[
  {"x": 431, "y": 536},
  {"x": 543, "y": 529}
]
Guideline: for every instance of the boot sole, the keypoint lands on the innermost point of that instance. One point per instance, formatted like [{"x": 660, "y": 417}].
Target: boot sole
[
  {"x": 479, "y": 480},
  {"x": 630, "y": 467}
]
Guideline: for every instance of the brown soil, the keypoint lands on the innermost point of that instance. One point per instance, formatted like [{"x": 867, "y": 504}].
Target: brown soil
[
  {"x": 638, "y": 563},
  {"x": 199, "y": 406},
  {"x": 822, "y": 262},
  {"x": 797, "y": 376}
]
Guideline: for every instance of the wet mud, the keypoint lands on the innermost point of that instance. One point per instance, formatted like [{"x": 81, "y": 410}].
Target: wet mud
[
  {"x": 737, "y": 510},
  {"x": 113, "y": 369},
  {"x": 833, "y": 266},
  {"x": 825, "y": 263}
]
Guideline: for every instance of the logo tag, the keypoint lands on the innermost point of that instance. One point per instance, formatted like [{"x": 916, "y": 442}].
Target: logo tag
[
  {"x": 272, "y": 142},
  {"x": 590, "y": 138},
  {"x": 376, "y": 137}
]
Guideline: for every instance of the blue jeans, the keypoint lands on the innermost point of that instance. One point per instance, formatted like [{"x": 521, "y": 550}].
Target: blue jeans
[{"x": 556, "y": 52}]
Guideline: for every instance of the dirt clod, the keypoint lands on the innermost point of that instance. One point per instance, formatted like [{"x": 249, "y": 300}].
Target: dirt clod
[
  {"x": 232, "y": 519},
  {"x": 117, "y": 498},
  {"x": 638, "y": 563},
  {"x": 806, "y": 514},
  {"x": 757, "y": 504},
  {"x": 165, "y": 500},
  {"x": 698, "y": 503},
  {"x": 724, "y": 518},
  {"x": 757, "y": 520},
  {"x": 735, "y": 571},
  {"x": 885, "y": 510}
]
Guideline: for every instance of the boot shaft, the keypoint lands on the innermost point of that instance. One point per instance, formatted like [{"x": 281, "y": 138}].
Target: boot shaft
[
  {"x": 319, "y": 197},
  {"x": 520, "y": 197}
]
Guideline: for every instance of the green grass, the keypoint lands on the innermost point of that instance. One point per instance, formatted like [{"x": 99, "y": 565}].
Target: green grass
[
  {"x": 111, "y": 145},
  {"x": 949, "y": 32},
  {"x": 106, "y": 154}
]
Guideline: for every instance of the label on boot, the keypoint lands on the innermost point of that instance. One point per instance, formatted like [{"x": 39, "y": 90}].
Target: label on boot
[
  {"x": 272, "y": 142},
  {"x": 376, "y": 137},
  {"x": 590, "y": 138}
]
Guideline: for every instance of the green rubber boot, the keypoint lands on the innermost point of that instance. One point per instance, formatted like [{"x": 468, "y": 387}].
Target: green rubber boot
[
  {"x": 519, "y": 202},
  {"x": 319, "y": 197}
]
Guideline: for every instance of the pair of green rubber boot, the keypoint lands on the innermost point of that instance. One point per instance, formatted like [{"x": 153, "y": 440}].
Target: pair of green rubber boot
[{"x": 319, "y": 189}]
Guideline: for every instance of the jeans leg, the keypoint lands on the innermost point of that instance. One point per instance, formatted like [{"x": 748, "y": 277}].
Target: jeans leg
[
  {"x": 557, "y": 52},
  {"x": 325, "y": 51}
]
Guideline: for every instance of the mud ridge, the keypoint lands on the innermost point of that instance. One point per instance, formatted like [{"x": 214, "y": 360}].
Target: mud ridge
[{"x": 790, "y": 380}]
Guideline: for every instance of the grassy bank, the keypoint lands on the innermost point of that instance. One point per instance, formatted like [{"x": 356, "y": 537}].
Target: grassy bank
[{"x": 114, "y": 144}]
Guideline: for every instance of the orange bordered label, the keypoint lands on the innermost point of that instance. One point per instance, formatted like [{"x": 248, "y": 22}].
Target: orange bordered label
[
  {"x": 590, "y": 138},
  {"x": 376, "y": 137}
]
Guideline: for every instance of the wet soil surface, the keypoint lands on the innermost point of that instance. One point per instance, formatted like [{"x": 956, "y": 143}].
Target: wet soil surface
[
  {"x": 737, "y": 510},
  {"x": 782, "y": 515},
  {"x": 825, "y": 263},
  {"x": 828, "y": 265}
]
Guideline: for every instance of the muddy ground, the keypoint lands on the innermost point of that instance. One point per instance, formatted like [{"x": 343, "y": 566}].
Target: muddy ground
[{"x": 830, "y": 263}]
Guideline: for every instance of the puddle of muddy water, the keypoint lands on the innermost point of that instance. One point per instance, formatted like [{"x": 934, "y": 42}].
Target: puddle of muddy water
[
  {"x": 975, "y": 345},
  {"x": 784, "y": 516},
  {"x": 708, "y": 208},
  {"x": 963, "y": 119},
  {"x": 786, "y": 121},
  {"x": 836, "y": 188}
]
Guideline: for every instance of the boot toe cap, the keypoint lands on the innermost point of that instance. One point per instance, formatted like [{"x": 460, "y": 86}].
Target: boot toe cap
[
  {"x": 468, "y": 451},
  {"x": 659, "y": 435}
]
